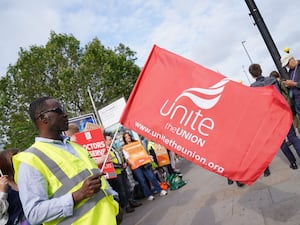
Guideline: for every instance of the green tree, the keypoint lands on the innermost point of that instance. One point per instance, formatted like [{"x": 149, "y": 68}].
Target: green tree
[{"x": 64, "y": 70}]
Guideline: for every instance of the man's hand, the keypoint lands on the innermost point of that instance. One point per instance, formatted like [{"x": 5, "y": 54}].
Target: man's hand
[
  {"x": 89, "y": 187},
  {"x": 290, "y": 83}
]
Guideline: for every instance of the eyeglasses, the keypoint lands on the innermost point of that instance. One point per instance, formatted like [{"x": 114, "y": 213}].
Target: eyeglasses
[{"x": 57, "y": 110}]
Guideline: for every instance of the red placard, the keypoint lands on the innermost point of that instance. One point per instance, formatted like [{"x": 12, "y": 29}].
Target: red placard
[{"x": 93, "y": 141}]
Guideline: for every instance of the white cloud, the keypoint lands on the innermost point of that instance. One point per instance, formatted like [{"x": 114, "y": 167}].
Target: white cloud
[
  {"x": 23, "y": 24},
  {"x": 207, "y": 32}
]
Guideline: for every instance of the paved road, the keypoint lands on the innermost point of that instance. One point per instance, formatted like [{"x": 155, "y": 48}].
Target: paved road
[{"x": 208, "y": 200}]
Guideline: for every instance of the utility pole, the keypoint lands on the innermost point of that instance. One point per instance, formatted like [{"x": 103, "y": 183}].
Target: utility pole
[{"x": 254, "y": 12}]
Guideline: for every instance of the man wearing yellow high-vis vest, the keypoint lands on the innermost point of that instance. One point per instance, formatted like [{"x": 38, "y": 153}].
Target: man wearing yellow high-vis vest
[{"x": 59, "y": 183}]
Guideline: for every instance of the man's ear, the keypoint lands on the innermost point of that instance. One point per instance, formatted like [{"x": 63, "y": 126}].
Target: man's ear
[{"x": 44, "y": 118}]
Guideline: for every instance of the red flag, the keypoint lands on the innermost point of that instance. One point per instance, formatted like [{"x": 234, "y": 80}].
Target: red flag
[{"x": 218, "y": 124}]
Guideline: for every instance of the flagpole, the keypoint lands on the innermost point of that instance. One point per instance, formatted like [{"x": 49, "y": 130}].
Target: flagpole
[
  {"x": 262, "y": 27},
  {"x": 109, "y": 149},
  {"x": 94, "y": 107}
]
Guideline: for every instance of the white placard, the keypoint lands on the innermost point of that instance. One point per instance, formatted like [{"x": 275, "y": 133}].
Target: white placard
[{"x": 111, "y": 113}]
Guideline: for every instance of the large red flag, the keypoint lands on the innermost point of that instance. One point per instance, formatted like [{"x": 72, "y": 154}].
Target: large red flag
[{"x": 218, "y": 124}]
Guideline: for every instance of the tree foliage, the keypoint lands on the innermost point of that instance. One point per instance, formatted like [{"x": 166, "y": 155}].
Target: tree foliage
[{"x": 64, "y": 70}]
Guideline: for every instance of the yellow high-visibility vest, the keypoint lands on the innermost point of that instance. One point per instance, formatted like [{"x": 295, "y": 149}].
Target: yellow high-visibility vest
[
  {"x": 115, "y": 160},
  {"x": 68, "y": 177}
]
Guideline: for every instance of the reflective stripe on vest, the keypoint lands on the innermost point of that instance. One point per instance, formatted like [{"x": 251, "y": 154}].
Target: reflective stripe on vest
[
  {"x": 82, "y": 210},
  {"x": 68, "y": 184},
  {"x": 115, "y": 160}
]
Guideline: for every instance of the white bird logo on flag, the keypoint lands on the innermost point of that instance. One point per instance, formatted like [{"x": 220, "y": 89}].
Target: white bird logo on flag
[{"x": 215, "y": 90}]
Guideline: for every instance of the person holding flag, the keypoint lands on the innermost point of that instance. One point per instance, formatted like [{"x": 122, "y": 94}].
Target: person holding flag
[
  {"x": 256, "y": 72},
  {"x": 293, "y": 83}
]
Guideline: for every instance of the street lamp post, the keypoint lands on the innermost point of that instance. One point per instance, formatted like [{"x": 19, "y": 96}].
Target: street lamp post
[{"x": 243, "y": 43}]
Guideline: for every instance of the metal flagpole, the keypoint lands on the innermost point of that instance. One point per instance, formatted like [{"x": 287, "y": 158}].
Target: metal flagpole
[{"x": 259, "y": 21}]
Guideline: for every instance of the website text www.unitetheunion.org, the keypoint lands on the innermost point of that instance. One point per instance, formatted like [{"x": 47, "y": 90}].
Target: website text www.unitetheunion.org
[{"x": 172, "y": 143}]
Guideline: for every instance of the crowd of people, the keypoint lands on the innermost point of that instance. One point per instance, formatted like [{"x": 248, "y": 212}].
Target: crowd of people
[{"x": 55, "y": 181}]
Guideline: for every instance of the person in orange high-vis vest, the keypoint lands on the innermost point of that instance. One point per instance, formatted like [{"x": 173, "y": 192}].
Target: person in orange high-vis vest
[
  {"x": 59, "y": 183},
  {"x": 140, "y": 164}
]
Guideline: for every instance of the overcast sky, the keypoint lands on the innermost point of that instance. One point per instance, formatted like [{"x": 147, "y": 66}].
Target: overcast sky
[{"x": 207, "y": 32}]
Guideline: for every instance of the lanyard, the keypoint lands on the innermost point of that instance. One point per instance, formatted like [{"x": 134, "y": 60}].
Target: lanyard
[{"x": 294, "y": 73}]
